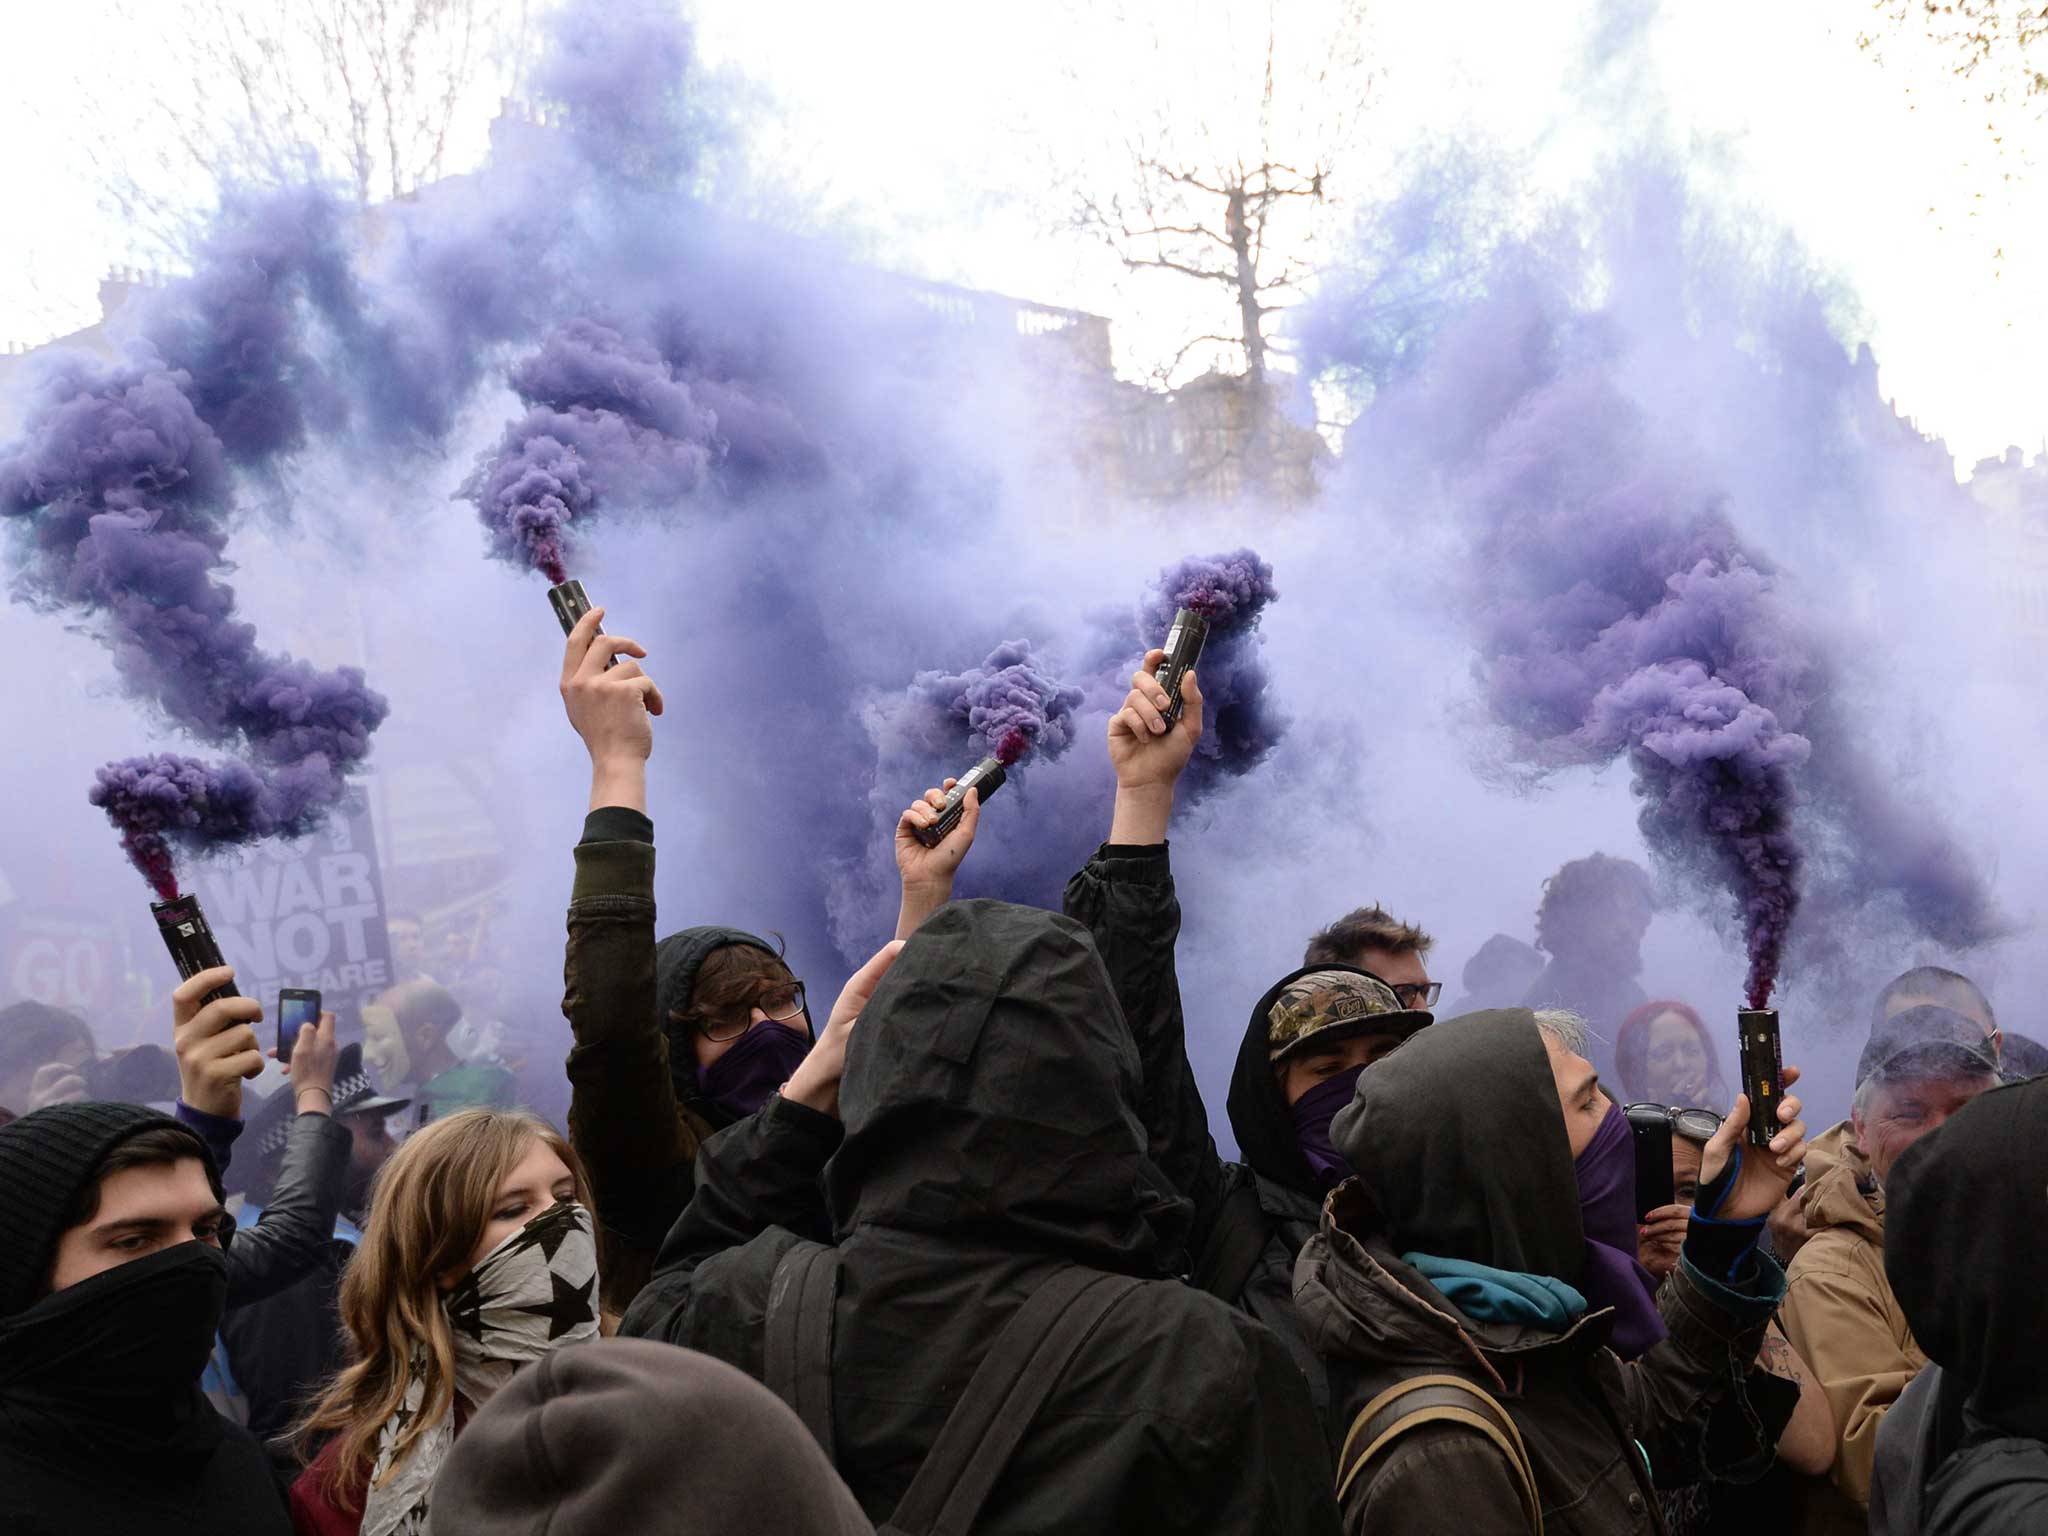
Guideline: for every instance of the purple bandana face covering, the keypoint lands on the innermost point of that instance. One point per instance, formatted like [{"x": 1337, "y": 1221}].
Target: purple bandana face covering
[
  {"x": 758, "y": 1063},
  {"x": 1313, "y": 1112},
  {"x": 1607, "y": 1210}
]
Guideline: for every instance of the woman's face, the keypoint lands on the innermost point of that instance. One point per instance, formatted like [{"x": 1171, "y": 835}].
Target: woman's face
[
  {"x": 1676, "y": 1067},
  {"x": 539, "y": 1181}
]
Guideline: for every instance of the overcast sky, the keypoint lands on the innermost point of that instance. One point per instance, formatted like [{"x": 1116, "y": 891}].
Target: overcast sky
[{"x": 933, "y": 125}]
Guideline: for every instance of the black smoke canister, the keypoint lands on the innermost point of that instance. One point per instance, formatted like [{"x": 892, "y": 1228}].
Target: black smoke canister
[
  {"x": 570, "y": 604},
  {"x": 190, "y": 941},
  {"x": 1763, "y": 1072},
  {"x": 988, "y": 776},
  {"x": 1183, "y": 649}
]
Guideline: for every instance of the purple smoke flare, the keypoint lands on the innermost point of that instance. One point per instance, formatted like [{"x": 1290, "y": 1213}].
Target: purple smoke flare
[
  {"x": 1618, "y": 613},
  {"x": 121, "y": 487},
  {"x": 1242, "y": 722},
  {"x": 613, "y": 421},
  {"x": 1009, "y": 704}
]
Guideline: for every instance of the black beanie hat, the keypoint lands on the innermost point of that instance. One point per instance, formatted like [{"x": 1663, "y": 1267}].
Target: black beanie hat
[{"x": 46, "y": 1161}]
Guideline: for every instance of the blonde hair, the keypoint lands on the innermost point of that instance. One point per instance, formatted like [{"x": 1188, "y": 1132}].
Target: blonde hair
[{"x": 429, "y": 1207}]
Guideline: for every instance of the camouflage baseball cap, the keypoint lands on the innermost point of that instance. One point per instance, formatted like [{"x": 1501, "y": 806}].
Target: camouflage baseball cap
[{"x": 1334, "y": 1004}]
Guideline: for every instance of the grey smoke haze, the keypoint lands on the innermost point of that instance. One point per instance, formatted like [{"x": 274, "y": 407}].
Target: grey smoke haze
[{"x": 904, "y": 502}]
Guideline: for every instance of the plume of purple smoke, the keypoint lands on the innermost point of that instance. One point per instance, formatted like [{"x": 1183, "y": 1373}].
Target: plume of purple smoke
[
  {"x": 1617, "y": 611},
  {"x": 123, "y": 492},
  {"x": 1006, "y": 707},
  {"x": 612, "y": 421},
  {"x": 1243, "y": 722}
]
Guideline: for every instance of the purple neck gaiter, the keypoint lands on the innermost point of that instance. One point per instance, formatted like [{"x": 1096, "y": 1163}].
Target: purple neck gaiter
[
  {"x": 1607, "y": 1210},
  {"x": 759, "y": 1062},
  {"x": 1313, "y": 1112}
]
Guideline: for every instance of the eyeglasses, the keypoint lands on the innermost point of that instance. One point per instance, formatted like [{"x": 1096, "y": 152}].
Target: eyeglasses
[
  {"x": 1692, "y": 1124},
  {"x": 780, "y": 1004},
  {"x": 1418, "y": 994}
]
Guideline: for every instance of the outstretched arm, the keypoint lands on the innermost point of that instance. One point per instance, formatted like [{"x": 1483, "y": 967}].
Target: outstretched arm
[
  {"x": 637, "y": 1145},
  {"x": 1125, "y": 897}
]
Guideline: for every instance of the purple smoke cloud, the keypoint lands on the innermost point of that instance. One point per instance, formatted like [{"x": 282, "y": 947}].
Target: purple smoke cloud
[
  {"x": 613, "y": 421},
  {"x": 1617, "y": 612},
  {"x": 1243, "y": 723},
  {"x": 122, "y": 488},
  {"x": 1006, "y": 707}
]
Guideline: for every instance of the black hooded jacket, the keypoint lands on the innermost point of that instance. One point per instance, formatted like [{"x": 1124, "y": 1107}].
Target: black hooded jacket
[
  {"x": 991, "y": 1138},
  {"x": 1125, "y": 897},
  {"x": 1964, "y": 1208},
  {"x": 1461, "y": 1153},
  {"x": 636, "y": 1113}
]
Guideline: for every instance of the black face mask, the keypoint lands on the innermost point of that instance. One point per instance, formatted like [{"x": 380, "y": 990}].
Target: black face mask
[{"x": 110, "y": 1367}]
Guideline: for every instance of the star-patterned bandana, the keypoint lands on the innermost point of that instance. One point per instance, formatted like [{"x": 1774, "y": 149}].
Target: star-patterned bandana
[{"x": 534, "y": 1292}]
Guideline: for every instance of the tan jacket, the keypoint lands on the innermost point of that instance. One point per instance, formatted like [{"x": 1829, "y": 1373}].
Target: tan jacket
[{"x": 1840, "y": 1315}]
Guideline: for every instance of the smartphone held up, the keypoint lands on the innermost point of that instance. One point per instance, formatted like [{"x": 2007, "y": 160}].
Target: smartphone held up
[{"x": 296, "y": 1008}]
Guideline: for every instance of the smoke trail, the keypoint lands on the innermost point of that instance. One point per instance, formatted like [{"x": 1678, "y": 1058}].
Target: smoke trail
[
  {"x": 612, "y": 420},
  {"x": 1616, "y": 610},
  {"x": 122, "y": 488},
  {"x": 1010, "y": 705}
]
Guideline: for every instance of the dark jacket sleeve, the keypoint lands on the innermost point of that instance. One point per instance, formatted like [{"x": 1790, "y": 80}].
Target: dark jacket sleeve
[
  {"x": 1124, "y": 896},
  {"x": 297, "y": 1225},
  {"x": 1699, "y": 1376},
  {"x": 636, "y": 1144},
  {"x": 757, "y": 1193},
  {"x": 217, "y": 1131}
]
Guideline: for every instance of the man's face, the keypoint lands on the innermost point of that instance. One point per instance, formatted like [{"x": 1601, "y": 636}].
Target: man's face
[
  {"x": 1615, "y": 939},
  {"x": 1316, "y": 1064},
  {"x": 384, "y": 1048},
  {"x": 1900, "y": 1113},
  {"x": 1579, "y": 1094},
  {"x": 1685, "y": 1170},
  {"x": 142, "y": 1211},
  {"x": 408, "y": 948},
  {"x": 1402, "y": 971}
]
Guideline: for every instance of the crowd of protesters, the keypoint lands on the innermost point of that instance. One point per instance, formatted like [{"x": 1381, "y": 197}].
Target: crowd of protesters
[{"x": 956, "y": 1250}]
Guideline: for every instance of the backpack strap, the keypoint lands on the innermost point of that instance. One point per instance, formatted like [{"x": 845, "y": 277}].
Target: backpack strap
[
  {"x": 797, "y": 1363},
  {"x": 1235, "y": 1243},
  {"x": 1002, "y": 1399},
  {"x": 1424, "y": 1400}
]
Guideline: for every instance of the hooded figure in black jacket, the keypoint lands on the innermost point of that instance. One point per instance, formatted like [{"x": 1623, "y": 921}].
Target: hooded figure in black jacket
[
  {"x": 1250, "y": 1218},
  {"x": 1461, "y": 1251},
  {"x": 1964, "y": 1452},
  {"x": 990, "y": 1141}
]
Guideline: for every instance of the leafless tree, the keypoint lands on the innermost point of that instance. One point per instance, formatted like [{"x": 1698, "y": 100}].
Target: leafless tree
[
  {"x": 375, "y": 94},
  {"x": 1224, "y": 178},
  {"x": 1225, "y": 133}
]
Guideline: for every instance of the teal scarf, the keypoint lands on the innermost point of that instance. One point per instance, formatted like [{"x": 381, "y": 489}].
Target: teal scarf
[{"x": 1489, "y": 1295}]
